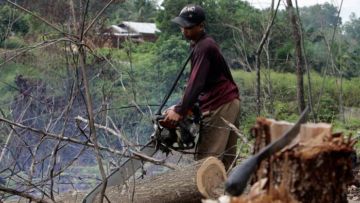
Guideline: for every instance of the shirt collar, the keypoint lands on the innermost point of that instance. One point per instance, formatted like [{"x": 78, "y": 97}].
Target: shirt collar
[{"x": 193, "y": 43}]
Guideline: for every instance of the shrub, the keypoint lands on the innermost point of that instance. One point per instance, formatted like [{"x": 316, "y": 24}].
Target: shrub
[
  {"x": 12, "y": 43},
  {"x": 327, "y": 109}
]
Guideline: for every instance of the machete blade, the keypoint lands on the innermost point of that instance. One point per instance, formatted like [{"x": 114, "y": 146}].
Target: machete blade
[{"x": 240, "y": 175}]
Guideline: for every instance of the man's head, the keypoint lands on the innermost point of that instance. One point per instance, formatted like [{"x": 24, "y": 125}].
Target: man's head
[
  {"x": 190, "y": 16},
  {"x": 191, "y": 20}
]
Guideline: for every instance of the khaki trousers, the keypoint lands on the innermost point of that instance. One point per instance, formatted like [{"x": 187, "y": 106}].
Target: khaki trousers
[{"x": 216, "y": 138}]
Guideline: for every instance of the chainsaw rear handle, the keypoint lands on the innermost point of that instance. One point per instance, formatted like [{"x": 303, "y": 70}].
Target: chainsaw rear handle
[
  {"x": 159, "y": 117},
  {"x": 160, "y": 120}
]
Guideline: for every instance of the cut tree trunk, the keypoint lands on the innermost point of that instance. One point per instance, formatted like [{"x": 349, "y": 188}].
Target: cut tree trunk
[
  {"x": 315, "y": 167},
  {"x": 191, "y": 183}
]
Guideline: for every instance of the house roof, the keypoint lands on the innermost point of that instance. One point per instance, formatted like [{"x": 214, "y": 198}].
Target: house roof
[
  {"x": 139, "y": 27},
  {"x": 118, "y": 29}
]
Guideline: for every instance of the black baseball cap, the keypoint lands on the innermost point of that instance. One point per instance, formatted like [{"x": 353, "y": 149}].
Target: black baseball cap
[{"x": 190, "y": 15}]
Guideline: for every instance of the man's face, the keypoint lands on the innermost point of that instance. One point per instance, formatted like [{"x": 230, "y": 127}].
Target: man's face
[{"x": 192, "y": 33}]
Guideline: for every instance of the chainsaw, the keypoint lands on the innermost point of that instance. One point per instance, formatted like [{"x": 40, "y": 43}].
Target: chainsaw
[{"x": 181, "y": 136}]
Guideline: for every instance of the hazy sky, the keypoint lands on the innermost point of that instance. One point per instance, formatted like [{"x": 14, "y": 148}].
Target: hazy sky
[{"x": 348, "y": 6}]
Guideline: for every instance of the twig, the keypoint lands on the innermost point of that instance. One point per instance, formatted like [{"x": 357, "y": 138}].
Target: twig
[
  {"x": 108, "y": 129},
  {"x": 238, "y": 133},
  {"x": 23, "y": 194},
  {"x": 136, "y": 153},
  {"x": 57, "y": 147},
  {"x": 33, "y": 162},
  {"x": 41, "y": 45},
  {"x": 257, "y": 58},
  {"x": 97, "y": 16}
]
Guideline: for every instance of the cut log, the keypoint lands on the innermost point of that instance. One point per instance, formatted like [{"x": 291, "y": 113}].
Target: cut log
[
  {"x": 191, "y": 183},
  {"x": 316, "y": 167}
]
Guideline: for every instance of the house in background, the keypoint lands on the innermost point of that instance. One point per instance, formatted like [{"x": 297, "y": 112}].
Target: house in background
[{"x": 134, "y": 31}]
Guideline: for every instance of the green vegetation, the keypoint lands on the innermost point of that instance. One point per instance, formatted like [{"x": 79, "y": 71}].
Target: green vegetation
[
  {"x": 325, "y": 98},
  {"x": 11, "y": 21}
]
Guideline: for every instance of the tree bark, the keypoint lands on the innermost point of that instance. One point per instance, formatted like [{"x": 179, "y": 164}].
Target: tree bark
[
  {"x": 299, "y": 57},
  {"x": 257, "y": 58}
]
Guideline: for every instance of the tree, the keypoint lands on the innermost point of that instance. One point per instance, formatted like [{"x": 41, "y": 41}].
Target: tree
[
  {"x": 11, "y": 21},
  {"x": 319, "y": 16},
  {"x": 293, "y": 18},
  {"x": 319, "y": 23},
  {"x": 352, "y": 28},
  {"x": 349, "y": 57},
  {"x": 135, "y": 10}
]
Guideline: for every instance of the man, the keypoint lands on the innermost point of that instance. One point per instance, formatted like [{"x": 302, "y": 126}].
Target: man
[{"x": 211, "y": 84}]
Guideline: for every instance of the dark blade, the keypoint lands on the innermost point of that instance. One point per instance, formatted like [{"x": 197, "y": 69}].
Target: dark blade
[{"x": 240, "y": 175}]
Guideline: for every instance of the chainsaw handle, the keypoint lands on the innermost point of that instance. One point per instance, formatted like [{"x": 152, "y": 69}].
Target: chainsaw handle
[
  {"x": 159, "y": 117},
  {"x": 159, "y": 120}
]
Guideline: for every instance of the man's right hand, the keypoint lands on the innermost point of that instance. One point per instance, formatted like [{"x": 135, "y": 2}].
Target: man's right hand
[{"x": 172, "y": 117}]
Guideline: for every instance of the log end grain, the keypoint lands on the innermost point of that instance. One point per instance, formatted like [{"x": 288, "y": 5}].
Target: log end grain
[{"x": 210, "y": 178}]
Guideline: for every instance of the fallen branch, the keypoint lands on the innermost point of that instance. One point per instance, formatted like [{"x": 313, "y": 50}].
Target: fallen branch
[
  {"x": 25, "y": 195},
  {"x": 238, "y": 133},
  {"x": 133, "y": 154},
  {"x": 110, "y": 130}
]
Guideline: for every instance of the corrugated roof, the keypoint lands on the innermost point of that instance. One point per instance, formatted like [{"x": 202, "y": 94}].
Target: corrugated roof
[
  {"x": 145, "y": 28},
  {"x": 118, "y": 29}
]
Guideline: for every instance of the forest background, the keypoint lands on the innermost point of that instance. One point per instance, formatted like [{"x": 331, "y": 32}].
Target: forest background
[{"x": 56, "y": 84}]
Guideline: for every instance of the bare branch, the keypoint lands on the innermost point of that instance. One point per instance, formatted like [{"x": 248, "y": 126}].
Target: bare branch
[
  {"x": 97, "y": 16},
  {"x": 23, "y": 194},
  {"x": 112, "y": 131},
  {"x": 238, "y": 133},
  {"x": 136, "y": 153},
  {"x": 38, "y": 45}
]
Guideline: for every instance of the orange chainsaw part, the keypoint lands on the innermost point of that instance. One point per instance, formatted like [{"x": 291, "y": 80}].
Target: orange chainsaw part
[{"x": 167, "y": 124}]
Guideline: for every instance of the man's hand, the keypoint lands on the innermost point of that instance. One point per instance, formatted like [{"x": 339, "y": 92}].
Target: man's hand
[{"x": 172, "y": 117}]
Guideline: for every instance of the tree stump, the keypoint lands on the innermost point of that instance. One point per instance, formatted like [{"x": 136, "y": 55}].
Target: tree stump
[
  {"x": 191, "y": 183},
  {"x": 315, "y": 167}
]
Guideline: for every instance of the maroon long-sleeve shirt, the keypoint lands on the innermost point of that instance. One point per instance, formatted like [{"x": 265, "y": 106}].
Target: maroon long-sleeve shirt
[{"x": 210, "y": 80}]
